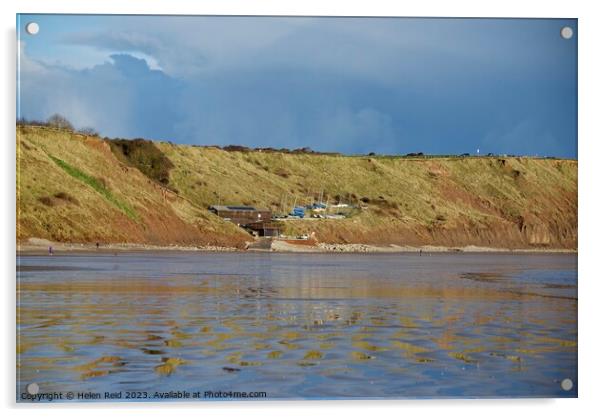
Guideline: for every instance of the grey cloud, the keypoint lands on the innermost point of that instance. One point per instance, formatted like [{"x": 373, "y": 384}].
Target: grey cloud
[
  {"x": 357, "y": 85},
  {"x": 119, "y": 98},
  {"x": 384, "y": 50}
]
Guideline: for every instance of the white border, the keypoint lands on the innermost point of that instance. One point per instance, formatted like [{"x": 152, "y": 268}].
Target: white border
[{"x": 590, "y": 215}]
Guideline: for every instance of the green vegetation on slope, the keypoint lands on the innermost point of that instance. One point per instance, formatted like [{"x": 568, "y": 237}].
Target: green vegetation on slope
[
  {"x": 144, "y": 155},
  {"x": 97, "y": 185}
]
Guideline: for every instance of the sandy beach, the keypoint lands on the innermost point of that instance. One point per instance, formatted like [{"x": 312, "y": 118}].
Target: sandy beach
[{"x": 40, "y": 246}]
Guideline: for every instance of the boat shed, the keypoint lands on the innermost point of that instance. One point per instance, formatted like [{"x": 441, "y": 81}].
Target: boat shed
[
  {"x": 242, "y": 215},
  {"x": 264, "y": 229}
]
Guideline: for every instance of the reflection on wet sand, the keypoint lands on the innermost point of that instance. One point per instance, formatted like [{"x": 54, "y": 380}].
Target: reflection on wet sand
[{"x": 301, "y": 326}]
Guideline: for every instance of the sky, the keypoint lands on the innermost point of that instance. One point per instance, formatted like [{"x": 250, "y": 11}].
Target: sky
[{"x": 349, "y": 85}]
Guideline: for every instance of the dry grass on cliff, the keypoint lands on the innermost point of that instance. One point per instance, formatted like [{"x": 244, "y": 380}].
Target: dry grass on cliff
[
  {"x": 115, "y": 203},
  {"x": 404, "y": 200},
  {"x": 486, "y": 201}
]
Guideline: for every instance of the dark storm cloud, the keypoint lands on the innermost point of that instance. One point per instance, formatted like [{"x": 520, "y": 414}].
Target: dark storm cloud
[{"x": 348, "y": 85}]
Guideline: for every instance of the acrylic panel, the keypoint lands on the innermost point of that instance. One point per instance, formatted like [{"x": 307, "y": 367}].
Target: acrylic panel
[{"x": 267, "y": 208}]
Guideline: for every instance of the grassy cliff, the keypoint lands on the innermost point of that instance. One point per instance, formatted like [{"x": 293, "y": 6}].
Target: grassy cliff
[{"x": 79, "y": 188}]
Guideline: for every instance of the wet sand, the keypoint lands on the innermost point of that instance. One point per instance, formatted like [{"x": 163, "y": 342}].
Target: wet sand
[{"x": 300, "y": 325}]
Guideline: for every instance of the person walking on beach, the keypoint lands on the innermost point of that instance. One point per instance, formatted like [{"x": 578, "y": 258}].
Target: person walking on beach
[{"x": 50, "y": 250}]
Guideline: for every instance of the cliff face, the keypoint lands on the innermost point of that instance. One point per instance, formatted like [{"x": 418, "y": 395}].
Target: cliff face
[
  {"x": 76, "y": 188},
  {"x": 72, "y": 188}
]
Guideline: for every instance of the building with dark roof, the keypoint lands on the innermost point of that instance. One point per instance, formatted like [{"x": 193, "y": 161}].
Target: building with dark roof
[
  {"x": 257, "y": 221},
  {"x": 242, "y": 215}
]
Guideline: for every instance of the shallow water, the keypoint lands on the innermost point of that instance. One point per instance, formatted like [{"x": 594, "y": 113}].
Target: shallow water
[{"x": 299, "y": 325}]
